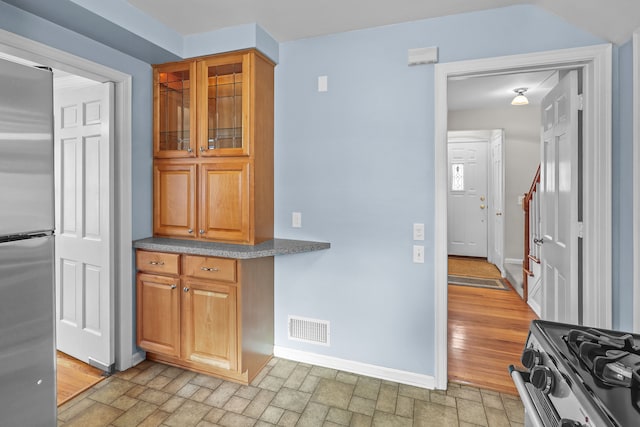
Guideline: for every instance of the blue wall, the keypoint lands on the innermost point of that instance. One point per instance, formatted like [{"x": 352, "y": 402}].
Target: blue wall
[{"x": 357, "y": 161}]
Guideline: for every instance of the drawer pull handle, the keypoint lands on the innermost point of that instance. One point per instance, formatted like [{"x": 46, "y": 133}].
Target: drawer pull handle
[
  {"x": 185, "y": 289},
  {"x": 173, "y": 286},
  {"x": 209, "y": 269},
  {"x": 156, "y": 262}
]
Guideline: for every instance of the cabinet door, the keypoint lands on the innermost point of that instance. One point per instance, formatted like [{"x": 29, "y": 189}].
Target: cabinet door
[
  {"x": 209, "y": 331},
  {"x": 158, "y": 314},
  {"x": 225, "y": 200},
  {"x": 223, "y": 105},
  {"x": 174, "y": 110},
  {"x": 174, "y": 199}
]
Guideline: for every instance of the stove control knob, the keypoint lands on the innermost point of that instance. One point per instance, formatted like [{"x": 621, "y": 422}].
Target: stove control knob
[
  {"x": 569, "y": 423},
  {"x": 530, "y": 358},
  {"x": 542, "y": 378}
]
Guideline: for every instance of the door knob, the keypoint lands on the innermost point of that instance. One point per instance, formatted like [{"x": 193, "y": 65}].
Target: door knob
[
  {"x": 482, "y": 198},
  {"x": 482, "y": 206}
]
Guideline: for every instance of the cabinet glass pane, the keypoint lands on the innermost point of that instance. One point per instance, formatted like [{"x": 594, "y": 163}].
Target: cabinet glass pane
[
  {"x": 225, "y": 106},
  {"x": 175, "y": 107}
]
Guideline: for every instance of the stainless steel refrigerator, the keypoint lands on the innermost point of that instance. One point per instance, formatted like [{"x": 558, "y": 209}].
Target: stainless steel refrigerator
[{"x": 27, "y": 345}]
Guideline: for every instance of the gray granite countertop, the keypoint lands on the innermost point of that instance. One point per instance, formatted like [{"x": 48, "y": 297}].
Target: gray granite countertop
[{"x": 228, "y": 250}]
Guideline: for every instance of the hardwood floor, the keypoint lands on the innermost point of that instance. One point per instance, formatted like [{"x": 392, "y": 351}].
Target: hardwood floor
[
  {"x": 487, "y": 332},
  {"x": 73, "y": 377}
]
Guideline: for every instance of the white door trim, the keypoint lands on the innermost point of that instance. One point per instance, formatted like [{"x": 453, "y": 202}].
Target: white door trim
[
  {"x": 636, "y": 180},
  {"x": 596, "y": 63},
  {"x": 40, "y": 53}
]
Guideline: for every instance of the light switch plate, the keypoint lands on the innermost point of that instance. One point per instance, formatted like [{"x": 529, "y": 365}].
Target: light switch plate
[
  {"x": 418, "y": 231},
  {"x": 323, "y": 84}
]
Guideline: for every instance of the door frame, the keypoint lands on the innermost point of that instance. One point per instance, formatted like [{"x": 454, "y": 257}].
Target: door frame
[
  {"x": 636, "y": 180},
  {"x": 596, "y": 62},
  {"x": 125, "y": 353}
]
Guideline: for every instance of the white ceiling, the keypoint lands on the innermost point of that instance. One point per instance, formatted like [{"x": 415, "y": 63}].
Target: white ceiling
[
  {"x": 495, "y": 92},
  {"x": 613, "y": 20}
]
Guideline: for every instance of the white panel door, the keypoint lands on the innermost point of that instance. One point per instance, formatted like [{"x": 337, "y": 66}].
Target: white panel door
[
  {"x": 559, "y": 202},
  {"x": 467, "y": 201},
  {"x": 84, "y": 215},
  {"x": 496, "y": 207}
]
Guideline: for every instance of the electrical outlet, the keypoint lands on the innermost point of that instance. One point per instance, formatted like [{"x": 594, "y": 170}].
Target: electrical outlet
[
  {"x": 296, "y": 220},
  {"x": 418, "y": 231},
  {"x": 418, "y": 254}
]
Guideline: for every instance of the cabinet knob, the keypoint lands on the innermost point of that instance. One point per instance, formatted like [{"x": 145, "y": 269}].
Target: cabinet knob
[
  {"x": 156, "y": 262},
  {"x": 173, "y": 286},
  {"x": 190, "y": 231},
  {"x": 189, "y": 150},
  {"x": 185, "y": 289},
  {"x": 201, "y": 149},
  {"x": 201, "y": 231}
]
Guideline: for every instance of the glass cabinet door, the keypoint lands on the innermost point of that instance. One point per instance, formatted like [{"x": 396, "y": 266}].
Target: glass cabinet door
[
  {"x": 223, "y": 106},
  {"x": 174, "y": 115}
]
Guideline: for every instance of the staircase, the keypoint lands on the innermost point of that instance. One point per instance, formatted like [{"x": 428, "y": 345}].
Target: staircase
[{"x": 531, "y": 271}]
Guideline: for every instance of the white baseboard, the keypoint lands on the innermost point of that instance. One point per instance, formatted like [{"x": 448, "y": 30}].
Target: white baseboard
[
  {"x": 389, "y": 374},
  {"x": 513, "y": 261}
]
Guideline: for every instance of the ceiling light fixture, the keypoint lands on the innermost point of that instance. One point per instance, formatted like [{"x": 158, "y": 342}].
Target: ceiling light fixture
[{"x": 520, "y": 99}]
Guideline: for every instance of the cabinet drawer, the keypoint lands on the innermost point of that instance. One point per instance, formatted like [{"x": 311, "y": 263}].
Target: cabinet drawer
[
  {"x": 223, "y": 269},
  {"x": 158, "y": 262}
]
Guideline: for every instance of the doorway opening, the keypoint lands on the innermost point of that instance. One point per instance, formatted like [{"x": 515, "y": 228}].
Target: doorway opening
[{"x": 595, "y": 62}]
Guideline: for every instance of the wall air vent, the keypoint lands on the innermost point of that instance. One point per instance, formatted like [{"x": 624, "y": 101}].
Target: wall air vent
[{"x": 309, "y": 330}]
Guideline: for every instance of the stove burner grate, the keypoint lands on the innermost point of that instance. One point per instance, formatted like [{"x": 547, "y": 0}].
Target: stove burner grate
[{"x": 613, "y": 359}]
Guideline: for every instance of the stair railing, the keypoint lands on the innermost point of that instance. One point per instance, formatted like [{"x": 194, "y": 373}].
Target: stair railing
[{"x": 531, "y": 206}]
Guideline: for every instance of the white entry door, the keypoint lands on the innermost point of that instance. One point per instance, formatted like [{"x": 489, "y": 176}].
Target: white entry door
[
  {"x": 496, "y": 207},
  {"x": 467, "y": 201},
  {"x": 84, "y": 218},
  {"x": 559, "y": 202}
]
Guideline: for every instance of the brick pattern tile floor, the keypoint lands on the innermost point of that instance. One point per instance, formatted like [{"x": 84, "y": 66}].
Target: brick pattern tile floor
[{"x": 285, "y": 393}]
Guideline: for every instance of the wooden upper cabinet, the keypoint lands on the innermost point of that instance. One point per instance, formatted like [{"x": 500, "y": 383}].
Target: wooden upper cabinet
[
  {"x": 174, "y": 110},
  {"x": 224, "y": 105},
  {"x": 174, "y": 198},
  {"x": 213, "y": 139},
  {"x": 224, "y": 192}
]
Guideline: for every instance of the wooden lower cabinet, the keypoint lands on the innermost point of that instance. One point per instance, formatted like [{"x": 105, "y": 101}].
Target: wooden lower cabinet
[
  {"x": 209, "y": 326},
  {"x": 214, "y": 315},
  {"x": 158, "y": 305}
]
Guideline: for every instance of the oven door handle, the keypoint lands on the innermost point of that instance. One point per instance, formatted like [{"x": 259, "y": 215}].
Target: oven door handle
[{"x": 529, "y": 407}]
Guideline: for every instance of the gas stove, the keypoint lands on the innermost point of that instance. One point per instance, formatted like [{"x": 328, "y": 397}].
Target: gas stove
[{"x": 579, "y": 376}]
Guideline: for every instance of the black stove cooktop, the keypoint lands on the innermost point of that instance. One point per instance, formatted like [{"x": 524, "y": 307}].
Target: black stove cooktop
[{"x": 606, "y": 364}]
